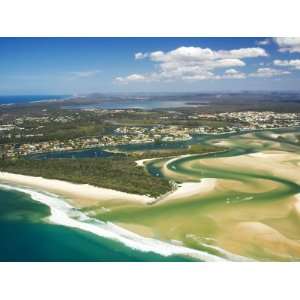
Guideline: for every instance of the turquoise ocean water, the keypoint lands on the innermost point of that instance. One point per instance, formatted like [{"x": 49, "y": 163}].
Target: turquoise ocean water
[{"x": 26, "y": 236}]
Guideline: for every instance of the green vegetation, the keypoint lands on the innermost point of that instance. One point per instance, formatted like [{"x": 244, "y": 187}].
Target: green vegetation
[
  {"x": 115, "y": 173},
  {"x": 118, "y": 172},
  {"x": 193, "y": 149}
]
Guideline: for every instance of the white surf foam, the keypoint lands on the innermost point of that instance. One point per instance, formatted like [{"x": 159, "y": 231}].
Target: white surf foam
[
  {"x": 231, "y": 256},
  {"x": 63, "y": 213}
]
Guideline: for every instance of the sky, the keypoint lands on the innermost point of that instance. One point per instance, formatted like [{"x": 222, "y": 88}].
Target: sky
[{"x": 88, "y": 65}]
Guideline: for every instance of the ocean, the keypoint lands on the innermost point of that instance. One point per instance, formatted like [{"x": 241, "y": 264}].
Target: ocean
[
  {"x": 146, "y": 104},
  {"x": 26, "y": 235},
  {"x": 10, "y": 99}
]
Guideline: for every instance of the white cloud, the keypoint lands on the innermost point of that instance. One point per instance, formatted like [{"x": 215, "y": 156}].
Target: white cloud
[
  {"x": 293, "y": 63},
  {"x": 243, "y": 53},
  {"x": 82, "y": 74},
  {"x": 194, "y": 63},
  {"x": 263, "y": 42},
  {"x": 131, "y": 78},
  {"x": 233, "y": 74},
  {"x": 288, "y": 44},
  {"x": 140, "y": 55},
  {"x": 195, "y": 54},
  {"x": 268, "y": 72}
]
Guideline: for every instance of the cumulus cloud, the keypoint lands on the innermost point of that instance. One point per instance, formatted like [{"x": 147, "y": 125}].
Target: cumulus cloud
[
  {"x": 140, "y": 55},
  {"x": 194, "y": 63},
  {"x": 233, "y": 74},
  {"x": 288, "y": 44},
  {"x": 243, "y": 53},
  {"x": 293, "y": 63},
  {"x": 195, "y": 54},
  {"x": 268, "y": 72}
]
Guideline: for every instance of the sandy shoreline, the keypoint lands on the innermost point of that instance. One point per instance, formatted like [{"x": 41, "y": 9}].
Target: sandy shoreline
[
  {"x": 141, "y": 162},
  {"x": 191, "y": 189},
  {"x": 84, "y": 195},
  {"x": 63, "y": 213},
  {"x": 81, "y": 194}
]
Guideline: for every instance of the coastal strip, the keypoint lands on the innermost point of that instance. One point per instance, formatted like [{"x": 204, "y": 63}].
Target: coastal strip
[
  {"x": 80, "y": 194},
  {"x": 65, "y": 214},
  {"x": 84, "y": 195}
]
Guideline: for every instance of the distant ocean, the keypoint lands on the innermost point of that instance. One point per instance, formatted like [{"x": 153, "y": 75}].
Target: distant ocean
[
  {"x": 29, "y": 98},
  {"x": 147, "y": 104}
]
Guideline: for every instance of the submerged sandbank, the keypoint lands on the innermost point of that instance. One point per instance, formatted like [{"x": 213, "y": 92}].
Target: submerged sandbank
[{"x": 63, "y": 213}]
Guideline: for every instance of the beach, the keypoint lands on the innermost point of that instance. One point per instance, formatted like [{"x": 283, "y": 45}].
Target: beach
[
  {"x": 191, "y": 189},
  {"x": 63, "y": 213},
  {"x": 80, "y": 195},
  {"x": 85, "y": 195}
]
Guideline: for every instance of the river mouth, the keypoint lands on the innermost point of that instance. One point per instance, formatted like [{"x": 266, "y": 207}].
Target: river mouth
[
  {"x": 252, "y": 211},
  {"x": 240, "y": 204}
]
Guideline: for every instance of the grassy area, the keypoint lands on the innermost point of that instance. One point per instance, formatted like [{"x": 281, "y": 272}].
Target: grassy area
[{"x": 115, "y": 173}]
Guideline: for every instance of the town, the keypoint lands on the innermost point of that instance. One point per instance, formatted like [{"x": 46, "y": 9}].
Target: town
[{"x": 234, "y": 122}]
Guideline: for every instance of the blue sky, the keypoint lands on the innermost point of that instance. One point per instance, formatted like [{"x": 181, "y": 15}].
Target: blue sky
[{"x": 84, "y": 65}]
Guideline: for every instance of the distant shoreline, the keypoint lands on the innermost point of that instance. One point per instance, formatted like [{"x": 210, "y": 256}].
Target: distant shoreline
[{"x": 30, "y": 99}]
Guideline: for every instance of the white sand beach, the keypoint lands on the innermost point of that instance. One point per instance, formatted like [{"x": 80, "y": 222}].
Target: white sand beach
[
  {"x": 84, "y": 195},
  {"x": 141, "y": 162},
  {"x": 190, "y": 189},
  {"x": 79, "y": 194}
]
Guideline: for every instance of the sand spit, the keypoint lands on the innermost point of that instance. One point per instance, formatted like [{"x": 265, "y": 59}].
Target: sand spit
[
  {"x": 190, "y": 189},
  {"x": 141, "y": 162},
  {"x": 281, "y": 164},
  {"x": 172, "y": 172}
]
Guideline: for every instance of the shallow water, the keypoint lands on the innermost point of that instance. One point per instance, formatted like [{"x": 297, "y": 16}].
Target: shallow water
[
  {"x": 244, "y": 200},
  {"x": 26, "y": 236}
]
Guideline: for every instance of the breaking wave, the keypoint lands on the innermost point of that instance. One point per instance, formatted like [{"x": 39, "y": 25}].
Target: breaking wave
[{"x": 62, "y": 213}]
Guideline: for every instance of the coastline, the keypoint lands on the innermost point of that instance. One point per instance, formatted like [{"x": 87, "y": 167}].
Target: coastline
[
  {"x": 63, "y": 213},
  {"x": 85, "y": 195},
  {"x": 70, "y": 196},
  {"x": 80, "y": 195}
]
